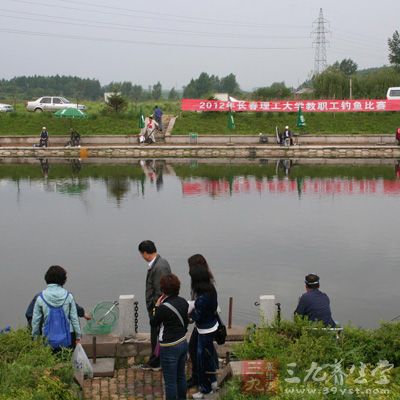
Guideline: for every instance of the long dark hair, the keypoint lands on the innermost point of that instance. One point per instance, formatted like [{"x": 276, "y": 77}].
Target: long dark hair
[
  {"x": 196, "y": 260},
  {"x": 201, "y": 281}
]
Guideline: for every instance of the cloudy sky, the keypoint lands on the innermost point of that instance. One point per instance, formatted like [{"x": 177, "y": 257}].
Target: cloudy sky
[{"x": 171, "y": 41}]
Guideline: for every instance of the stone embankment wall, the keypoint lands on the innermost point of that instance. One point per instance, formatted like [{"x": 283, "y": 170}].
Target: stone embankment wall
[
  {"x": 202, "y": 151},
  {"x": 253, "y": 140}
]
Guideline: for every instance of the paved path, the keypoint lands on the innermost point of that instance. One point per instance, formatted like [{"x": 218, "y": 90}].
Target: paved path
[{"x": 129, "y": 384}]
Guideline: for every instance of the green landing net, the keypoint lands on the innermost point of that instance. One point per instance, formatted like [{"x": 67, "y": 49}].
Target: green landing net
[{"x": 104, "y": 319}]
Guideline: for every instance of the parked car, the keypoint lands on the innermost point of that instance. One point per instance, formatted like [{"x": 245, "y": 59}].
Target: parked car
[
  {"x": 49, "y": 103},
  {"x": 393, "y": 93},
  {"x": 6, "y": 108}
]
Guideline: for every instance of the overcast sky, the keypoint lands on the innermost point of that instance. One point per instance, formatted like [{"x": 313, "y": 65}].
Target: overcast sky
[{"x": 171, "y": 41}]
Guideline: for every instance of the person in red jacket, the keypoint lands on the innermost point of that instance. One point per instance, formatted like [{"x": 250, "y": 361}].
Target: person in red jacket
[{"x": 398, "y": 136}]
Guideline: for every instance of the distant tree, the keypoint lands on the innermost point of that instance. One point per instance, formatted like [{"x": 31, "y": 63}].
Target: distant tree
[
  {"x": 229, "y": 84},
  {"x": 348, "y": 66},
  {"x": 394, "y": 47},
  {"x": 117, "y": 102},
  {"x": 136, "y": 92},
  {"x": 190, "y": 91},
  {"x": 126, "y": 89},
  {"x": 157, "y": 91},
  {"x": 277, "y": 90},
  {"x": 331, "y": 83},
  {"x": 173, "y": 94},
  {"x": 204, "y": 85}
]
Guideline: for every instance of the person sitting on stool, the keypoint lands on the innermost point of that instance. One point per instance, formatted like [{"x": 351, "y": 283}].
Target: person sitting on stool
[
  {"x": 44, "y": 138},
  {"x": 287, "y": 136},
  {"x": 315, "y": 304}
]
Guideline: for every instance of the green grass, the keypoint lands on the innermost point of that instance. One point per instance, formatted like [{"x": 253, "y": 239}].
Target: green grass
[
  {"x": 100, "y": 120},
  {"x": 317, "y": 123},
  {"x": 103, "y": 122},
  {"x": 301, "y": 343},
  {"x": 30, "y": 371}
]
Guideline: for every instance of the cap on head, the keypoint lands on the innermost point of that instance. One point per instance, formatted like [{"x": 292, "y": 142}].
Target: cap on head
[
  {"x": 44, "y": 128},
  {"x": 286, "y": 127},
  {"x": 312, "y": 281}
]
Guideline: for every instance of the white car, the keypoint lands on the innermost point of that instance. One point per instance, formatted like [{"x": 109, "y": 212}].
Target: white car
[
  {"x": 49, "y": 103},
  {"x": 6, "y": 108}
]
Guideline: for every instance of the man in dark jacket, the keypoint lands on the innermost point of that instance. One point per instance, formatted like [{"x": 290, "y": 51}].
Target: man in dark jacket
[
  {"x": 314, "y": 304},
  {"x": 158, "y": 267}
]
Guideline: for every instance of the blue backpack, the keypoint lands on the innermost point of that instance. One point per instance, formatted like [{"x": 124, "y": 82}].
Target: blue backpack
[{"x": 57, "y": 328}]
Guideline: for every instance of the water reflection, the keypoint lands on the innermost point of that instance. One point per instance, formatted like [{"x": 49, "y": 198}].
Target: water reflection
[
  {"x": 199, "y": 178},
  {"x": 264, "y": 224}
]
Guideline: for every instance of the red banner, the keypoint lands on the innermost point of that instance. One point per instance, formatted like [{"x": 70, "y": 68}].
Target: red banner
[
  {"x": 320, "y": 186},
  {"x": 292, "y": 106}
]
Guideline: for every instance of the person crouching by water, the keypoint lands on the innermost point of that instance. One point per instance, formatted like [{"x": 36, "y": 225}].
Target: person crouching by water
[
  {"x": 204, "y": 315},
  {"x": 54, "y": 314},
  {"x": 315, "y": 304},
  {"x": 171, "y": 316},
  {"x": 148, "y": 136}
]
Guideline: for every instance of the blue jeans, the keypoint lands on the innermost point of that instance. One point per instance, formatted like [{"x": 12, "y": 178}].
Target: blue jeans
[
  {"x": 206, "y": 361},
  {"x": 173, "y": 360}
]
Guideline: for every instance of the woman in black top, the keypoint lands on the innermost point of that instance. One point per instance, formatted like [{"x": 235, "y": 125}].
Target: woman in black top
[
  {"x": 204, "y": 315},
  {"x": 171, "y": 315}
]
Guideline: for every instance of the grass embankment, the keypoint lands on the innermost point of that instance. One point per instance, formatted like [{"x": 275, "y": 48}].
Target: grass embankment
[
  {"x": 317, "y": 123},
  {"x": 102, "y": 121},
  {"x": 30, "y": 371},
  {"x": 362, "y": 360}
]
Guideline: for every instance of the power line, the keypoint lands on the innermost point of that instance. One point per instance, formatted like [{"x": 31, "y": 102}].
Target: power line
[
  {"x": 126, "y": 27},
  {"x": 162, "y": 16},
  {"x": 150, "y": 43}
]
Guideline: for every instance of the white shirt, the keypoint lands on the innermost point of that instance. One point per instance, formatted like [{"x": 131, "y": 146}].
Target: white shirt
[{"x": 152, "y": 262}]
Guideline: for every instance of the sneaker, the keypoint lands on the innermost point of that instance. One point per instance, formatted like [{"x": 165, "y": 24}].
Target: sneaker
[
  {"x": 201, "y": 395},
  {"x": 150, "y": 367},
  {"x": 214, "y": 386}
]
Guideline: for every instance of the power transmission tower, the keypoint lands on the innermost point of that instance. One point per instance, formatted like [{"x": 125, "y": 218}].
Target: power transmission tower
[{"x": 320, "y": 42}]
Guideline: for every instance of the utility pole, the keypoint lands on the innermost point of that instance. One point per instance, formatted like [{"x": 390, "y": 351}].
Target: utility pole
[{"x": 320, "y": 42}]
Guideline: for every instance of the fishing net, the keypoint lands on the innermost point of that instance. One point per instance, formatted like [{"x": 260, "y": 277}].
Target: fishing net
[{"x": 104, "y": 319}]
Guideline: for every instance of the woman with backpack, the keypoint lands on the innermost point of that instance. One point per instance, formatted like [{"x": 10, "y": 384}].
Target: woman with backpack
[
  {"x": 54, "y": 315},
  {"x": 204, "y": 315}
]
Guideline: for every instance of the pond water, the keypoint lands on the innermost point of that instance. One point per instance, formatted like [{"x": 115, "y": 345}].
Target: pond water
[{"x": 261, "y": 224}]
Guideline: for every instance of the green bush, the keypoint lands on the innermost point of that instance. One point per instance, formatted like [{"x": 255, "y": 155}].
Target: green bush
[
  {"x": 30, "y": 371},
  {"x": 303, "y": 344}
]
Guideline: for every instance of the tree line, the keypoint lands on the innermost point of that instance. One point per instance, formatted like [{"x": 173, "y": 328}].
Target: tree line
[{"x": 340, "y": 80}]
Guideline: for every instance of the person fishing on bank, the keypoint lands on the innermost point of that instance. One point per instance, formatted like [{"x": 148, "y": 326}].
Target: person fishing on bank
[
  {"x": 315, "y": 304},
  {"x": 44, "y": 138},
  {"x": 287, "y": 136}
]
